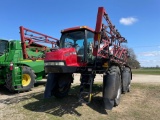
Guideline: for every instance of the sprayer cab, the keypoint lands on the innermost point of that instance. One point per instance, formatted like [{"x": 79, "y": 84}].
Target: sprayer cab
[
  {"x": 75, "y": 50},
  {"x": 80, "y": 38}
]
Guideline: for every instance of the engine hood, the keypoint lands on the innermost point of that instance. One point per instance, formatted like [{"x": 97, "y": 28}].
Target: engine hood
[{"x": 68, "y": 55}]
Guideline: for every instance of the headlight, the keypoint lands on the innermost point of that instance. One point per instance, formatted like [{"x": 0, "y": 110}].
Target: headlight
[{"x": 54, "y": 63}]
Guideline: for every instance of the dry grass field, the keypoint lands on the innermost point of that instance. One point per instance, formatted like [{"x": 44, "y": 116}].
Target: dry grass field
[{"x": 141, "y": 103}]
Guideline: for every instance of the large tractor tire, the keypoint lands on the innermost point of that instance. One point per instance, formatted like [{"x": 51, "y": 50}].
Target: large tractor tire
[
  {"x": 28, "y": 79},
  {"x": 8, "y": 83},
  {"x": 112, "y": 87},
  {"x": 126, "y": 80},
  {"x": 58, "y": 85}
]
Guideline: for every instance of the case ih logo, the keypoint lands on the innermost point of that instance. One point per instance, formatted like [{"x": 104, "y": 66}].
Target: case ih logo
[{"x": 70, "y": 53}]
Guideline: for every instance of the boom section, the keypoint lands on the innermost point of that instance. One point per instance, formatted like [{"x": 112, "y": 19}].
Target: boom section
[
  {"x": 107, "y": 39},
  {"x": 30, "y": 37}
]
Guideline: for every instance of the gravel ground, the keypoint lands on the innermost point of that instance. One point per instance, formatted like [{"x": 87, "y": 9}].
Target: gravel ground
[
  {"x": 135, "y": 78},
  {"x": 143, "y": 103},
  {"x": 39, "y": 87}
]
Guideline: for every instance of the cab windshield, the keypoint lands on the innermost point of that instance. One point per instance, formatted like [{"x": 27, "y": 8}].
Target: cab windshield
[
  {"x": 81, "y": 40},
  {"x": 3, "y": 46},
  {"x": 76, "y": 39},
  {"x": 72, "y": 39}
]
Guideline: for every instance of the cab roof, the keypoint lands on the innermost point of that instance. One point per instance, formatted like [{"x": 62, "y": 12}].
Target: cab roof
[{"x": 77, "y": 28}]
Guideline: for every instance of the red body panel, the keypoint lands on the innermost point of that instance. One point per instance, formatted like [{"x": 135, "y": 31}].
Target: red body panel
[{"x": 65, "y": 54}]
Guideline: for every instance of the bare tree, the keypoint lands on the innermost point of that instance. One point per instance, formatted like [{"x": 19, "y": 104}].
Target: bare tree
[{"x": 132, "y": 60}]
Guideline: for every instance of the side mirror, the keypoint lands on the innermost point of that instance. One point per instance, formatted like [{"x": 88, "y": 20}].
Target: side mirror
[
  {"x": 58, "y": 43},
  {"x": 128, "y": 55}
]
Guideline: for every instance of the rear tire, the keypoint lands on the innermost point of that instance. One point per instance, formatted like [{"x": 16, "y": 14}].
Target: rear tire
[
  {"x": 129, "y": 79},
  {"x": 126, "y": 80}
]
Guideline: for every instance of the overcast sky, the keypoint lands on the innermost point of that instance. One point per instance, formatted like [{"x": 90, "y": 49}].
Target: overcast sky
[{"x": 137, "y": 20}]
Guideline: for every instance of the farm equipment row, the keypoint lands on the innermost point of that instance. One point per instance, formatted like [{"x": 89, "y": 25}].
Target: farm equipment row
[{"x": 80, "y": 50}]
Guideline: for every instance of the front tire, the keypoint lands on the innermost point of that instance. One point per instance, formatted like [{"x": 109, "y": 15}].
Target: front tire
[
  {"x": 58, "y": 85},
  {"x": 28, "y": 79},
  {"x": 63, "y": 85}
]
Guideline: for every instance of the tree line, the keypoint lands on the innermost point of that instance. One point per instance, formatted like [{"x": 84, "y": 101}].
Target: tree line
[{"x": 132, "y": 60}]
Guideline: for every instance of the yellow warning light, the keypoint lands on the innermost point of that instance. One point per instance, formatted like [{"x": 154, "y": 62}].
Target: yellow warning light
[
  {"x": 99, "y": 37},
  {"x": 105, "y": 64},
  {"x": 83, "y": 27}
]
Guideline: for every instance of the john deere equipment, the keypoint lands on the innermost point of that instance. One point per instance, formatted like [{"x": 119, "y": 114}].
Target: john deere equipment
[{"x": 21, "y": 62}]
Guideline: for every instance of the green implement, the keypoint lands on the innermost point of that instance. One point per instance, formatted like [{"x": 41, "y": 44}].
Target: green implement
[{"x": 18, "y": 72}]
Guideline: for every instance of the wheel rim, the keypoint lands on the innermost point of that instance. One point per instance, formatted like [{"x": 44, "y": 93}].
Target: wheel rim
[
  {"x": 118, "y": 93},
  {"x": 129, "y": 86},
  {"x": 26, "y": 79}
]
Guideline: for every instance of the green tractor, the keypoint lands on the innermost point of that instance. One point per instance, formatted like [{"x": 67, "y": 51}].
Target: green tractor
[{"x": 21, "y": 62}]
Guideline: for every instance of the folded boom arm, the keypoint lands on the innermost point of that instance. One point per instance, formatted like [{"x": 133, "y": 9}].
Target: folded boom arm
[{"x": 107, "y": 36}]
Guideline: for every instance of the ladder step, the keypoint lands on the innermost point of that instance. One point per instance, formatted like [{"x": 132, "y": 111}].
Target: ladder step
[
  {"x": 84, "y": 93},
  {"x": 86, "y": 83}
]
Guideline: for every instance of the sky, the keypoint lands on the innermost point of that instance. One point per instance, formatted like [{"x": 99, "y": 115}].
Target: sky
[{"x": 137, "y": 20}]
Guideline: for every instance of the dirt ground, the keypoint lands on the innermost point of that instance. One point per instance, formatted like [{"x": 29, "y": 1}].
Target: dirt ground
[
  {"x": 26, "y": 105},
  {"x": 39, "y": 87},
  {"x": 136, "y": 78}
]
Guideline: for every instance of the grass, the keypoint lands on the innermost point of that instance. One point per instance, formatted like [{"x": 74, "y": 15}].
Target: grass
[
  {"x": 141, "y": 103},
  {"x": 146, "y": 71}
]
